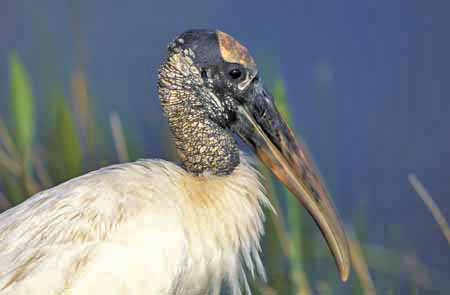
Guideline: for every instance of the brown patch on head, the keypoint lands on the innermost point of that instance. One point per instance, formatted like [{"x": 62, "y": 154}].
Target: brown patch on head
[{"x": 234, "y": 52}]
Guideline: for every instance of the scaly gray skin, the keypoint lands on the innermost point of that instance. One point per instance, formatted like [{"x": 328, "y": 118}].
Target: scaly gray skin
[{"x": 196, "y": 96}]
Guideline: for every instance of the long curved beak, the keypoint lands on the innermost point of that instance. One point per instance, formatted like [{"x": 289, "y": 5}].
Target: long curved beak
[{"x": 260, "y": 125}]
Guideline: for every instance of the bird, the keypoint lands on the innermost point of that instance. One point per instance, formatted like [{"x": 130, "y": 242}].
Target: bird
[{"x": 157, "y": 227}]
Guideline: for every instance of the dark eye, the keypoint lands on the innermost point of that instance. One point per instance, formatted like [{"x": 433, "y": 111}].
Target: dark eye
[
  {"x": 235, "y": 74},
  {"x": 204, "y": 74}
]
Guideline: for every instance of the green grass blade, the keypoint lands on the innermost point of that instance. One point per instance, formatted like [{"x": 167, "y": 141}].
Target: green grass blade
[
  {"x": 279, "y": 93},
  {"x": 22, "y": 104},
  {"x": 361, "y": 269},
  {"x": 277, "y": 241},
  {"x": 65, "y": 154},
  {"x": 294, "y": 214},
  {"x": 14, "y": 189}
]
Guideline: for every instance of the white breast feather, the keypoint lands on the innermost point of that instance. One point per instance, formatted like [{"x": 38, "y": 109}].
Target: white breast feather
[{"x": 147, "y": 227}]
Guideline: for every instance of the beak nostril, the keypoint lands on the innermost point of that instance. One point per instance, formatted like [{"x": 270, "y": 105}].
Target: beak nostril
[
  {"x": 232, "y": 117},
  {"x": 264, "y": 113}
]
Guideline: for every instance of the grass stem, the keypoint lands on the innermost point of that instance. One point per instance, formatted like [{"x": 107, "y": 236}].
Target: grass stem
[{"x": 432, "y": 206}]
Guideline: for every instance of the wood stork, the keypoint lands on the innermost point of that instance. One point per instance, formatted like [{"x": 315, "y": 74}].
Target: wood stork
[{"x": 152, "y": 227}]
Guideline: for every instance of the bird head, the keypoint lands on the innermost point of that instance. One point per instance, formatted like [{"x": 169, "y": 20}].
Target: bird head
[{"x": 210, "y": 88}]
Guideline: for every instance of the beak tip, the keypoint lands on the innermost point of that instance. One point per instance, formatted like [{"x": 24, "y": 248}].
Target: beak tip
[{"x": 345, "y": 273}]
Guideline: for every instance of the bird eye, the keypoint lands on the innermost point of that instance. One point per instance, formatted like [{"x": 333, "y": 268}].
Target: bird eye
[
  {"x": 235, "y": 74},
  {"x": 204, "y": 74}
]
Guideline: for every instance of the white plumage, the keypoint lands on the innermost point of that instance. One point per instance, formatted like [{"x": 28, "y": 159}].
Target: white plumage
[{"x": 147, "y": 227}]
